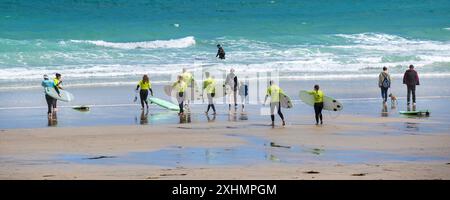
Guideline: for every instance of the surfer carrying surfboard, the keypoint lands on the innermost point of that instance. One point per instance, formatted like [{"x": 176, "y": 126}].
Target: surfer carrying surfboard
[
  {"x": 48, "y": 83},
  {"x": 180, "y": 86},
  {"x": 209, "y": 85},
  {"x": 57, "y": 81},
  {"x": 318, "y": 103},
  {"x": 145, "y": 86},
  {"x": 274, "y": 92}
]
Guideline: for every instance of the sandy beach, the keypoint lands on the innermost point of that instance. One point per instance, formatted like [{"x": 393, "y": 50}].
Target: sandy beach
[{"x": 375, "y": 148}]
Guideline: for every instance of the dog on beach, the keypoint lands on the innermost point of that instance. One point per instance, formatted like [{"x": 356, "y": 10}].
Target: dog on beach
[{"x": 393, "y": 99}]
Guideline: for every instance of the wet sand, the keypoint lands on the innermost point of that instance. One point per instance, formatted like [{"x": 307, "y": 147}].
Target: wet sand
[{"x": 347, "y": 147}]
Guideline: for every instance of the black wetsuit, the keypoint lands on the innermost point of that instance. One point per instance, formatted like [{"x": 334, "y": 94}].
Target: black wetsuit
[{"x": 221, "y": 53}]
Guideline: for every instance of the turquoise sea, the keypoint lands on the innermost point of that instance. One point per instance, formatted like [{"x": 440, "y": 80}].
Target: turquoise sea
[{"x": 114, "y": 42}]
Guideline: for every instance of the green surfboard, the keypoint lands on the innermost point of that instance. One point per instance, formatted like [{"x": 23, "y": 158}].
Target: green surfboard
[{"x": 164, "y": 103}]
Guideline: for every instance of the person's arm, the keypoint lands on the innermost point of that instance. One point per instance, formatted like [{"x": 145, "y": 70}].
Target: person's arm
[
  {"x": 417, "y": 78},
  {"x": 267, "y": 95},
  {"x": 151, "y": 91},
  {"x": 379, "y": 80},
  {"x": 218, "y": 52},
  {"x": 137, "y": 87},
  {"x": 389, "y": 78},
  {"x": 404, "y": 78},
  {"x": 57, "y": 90}
]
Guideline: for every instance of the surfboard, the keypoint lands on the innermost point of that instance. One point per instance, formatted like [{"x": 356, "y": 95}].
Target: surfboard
[
  {"x": 164, "y": 103},
  {"x": 82, "y": 108},
  {"x": 63, "y": 95},
  {"x": 416, "y": 112},
  {"x": 286, "y": 101},
  {"x": 329, "y": 103}
]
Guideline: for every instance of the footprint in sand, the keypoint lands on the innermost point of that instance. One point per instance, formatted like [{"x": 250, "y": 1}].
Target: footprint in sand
[{"x": 360, "y": 174}]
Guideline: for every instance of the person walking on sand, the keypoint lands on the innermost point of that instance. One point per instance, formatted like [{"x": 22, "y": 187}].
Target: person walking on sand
[
  {"x": 220, "y": 52},
  {"x": 318, "y": 103},
  {"x": 232, "y": 81},
  {"x": 145, "y": 86},
  {"x": 180, "y": 86},
  {"x": 46, "y": 83},
  {"x": 411, "y": 79},
  {"x": 384, "y": 82},
  {"x": 274, "y": 92},
  {"x": 209, "y": 85},
  {"x": 57, "y": 81}
]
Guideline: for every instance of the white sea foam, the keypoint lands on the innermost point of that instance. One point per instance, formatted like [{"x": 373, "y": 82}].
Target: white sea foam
[{"x": 156, "y": 44}]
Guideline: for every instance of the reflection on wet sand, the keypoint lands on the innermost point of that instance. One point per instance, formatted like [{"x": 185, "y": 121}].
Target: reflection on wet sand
[
  {"x": 185, "y": 118},
  {"x": 208, "y": 117},
  {"x": 53, "y": 121},
  {"x": 384, "y": 111},
  {"x": 144, "y": 117}
]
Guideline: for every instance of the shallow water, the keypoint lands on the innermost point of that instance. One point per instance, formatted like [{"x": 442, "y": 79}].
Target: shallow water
[{"x": 256, "y": 151}]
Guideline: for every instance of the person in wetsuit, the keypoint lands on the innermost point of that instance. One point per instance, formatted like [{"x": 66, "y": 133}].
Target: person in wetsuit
[
  {"x": 318, "y": 103},
  {"x": 57, "y": 81},
  {"x": 274, "y": 92},
  {"x": 180, "y": 86},
  {"x": 48, "y": 83},
  {"x": 220, "y": 52},
  {"x": 209, "y": 85},
  {"x": 145, "y": 86}
]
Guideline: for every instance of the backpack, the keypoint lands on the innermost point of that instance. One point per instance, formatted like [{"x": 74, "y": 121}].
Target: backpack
[{"x": 386, "y": 83}]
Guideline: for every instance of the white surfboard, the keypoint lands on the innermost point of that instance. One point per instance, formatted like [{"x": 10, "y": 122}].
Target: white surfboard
[
  {"x": 63, "y": 95},
  {"x": 329, "y": 103},
  {"x": 286, "y": 101}
]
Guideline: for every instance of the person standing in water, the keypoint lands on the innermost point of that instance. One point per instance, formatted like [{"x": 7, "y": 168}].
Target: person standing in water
[
  {"x": 145, "y": 86},
  {"x": 411, "y": 79},
  {"x": 46, "y": 83},
  {"x": 57, "y": 82},
  {"x": 220, "y": 52},
  {"x": 384, "y": 82},
  {"x": 232, "y": 81},
  {"x": 209, "y": 85},
  {"x": 318, "y": 103},
  {"x": 274, "y": 92},
  {"x": 180, "y": 86}
]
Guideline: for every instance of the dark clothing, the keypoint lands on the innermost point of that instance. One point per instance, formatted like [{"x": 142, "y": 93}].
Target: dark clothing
[
  {"x": 49, "y": 100},
  {"x": 384, "y": 94},
  {"x": 411, "y": 90},
  {"x": 181, "y": 101},
  {"x": 318, "y": 110},
  {"x": 221, "y": 53},
  {"x": 54, "y": 103},
  {"x": 143, "y": 94},
  {"x": 410, "y": 77},
  {"x": 274, "y": 105}
]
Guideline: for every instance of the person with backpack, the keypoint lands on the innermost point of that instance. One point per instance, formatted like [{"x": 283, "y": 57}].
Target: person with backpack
[{"x": 384, "y": 82}]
